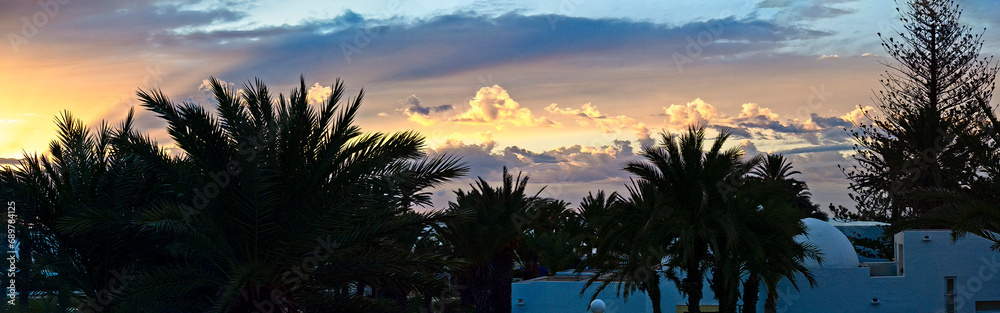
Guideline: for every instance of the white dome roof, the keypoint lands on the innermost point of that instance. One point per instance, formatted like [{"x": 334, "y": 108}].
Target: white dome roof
[{"x": 838, "y": 252}]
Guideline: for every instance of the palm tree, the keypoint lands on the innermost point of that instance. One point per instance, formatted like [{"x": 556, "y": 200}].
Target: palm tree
[
  {"x": 777, "y": 168},
  {"x": 283, "y": 206},
  {"x": 966, "y": 212},
  {"x": 624, "y": 257},
  {"x": 496, "y": 218},
  {"x": 551, "y": 239},
  {"x": 760, "y": 223},
  {"x": 690, "y": 187},
  {"x": 76, "y": 212},
  {"x": 594, "y": 213},
  {"x": 775, "y": 255}
]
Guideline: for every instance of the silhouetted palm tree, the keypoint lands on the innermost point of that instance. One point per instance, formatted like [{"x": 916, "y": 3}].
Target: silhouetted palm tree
[
  {"x": 777, "y": 168},
  {"x": 551, "y": 239},
  {"x": 773, "y": 254},
  {"x": 690, "y": 187},
  {"x": 76, "y": 211},
  {"x": 284, "y": 206},
  {"x": 627, "y": 256},
  {"x": 496, "y": 220}
]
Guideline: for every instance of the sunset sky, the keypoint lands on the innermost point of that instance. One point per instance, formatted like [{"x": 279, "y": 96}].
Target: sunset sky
[{"x": 565, "y": 90}]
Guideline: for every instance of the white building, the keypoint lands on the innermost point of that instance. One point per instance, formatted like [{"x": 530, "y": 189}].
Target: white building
[{"x": 929, "y": 272}]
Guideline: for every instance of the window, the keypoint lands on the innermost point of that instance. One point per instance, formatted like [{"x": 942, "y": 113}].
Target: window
[
  {"x": 987, "y": 306},
  {"x": 949, "y": 294}
]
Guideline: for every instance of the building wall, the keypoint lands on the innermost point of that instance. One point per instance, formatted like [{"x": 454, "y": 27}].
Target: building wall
[{"x": 920, "y": 288}]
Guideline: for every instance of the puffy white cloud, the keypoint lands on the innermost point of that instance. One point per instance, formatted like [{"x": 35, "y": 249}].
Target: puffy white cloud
[
  {"x": 749, "y": 148},
  {"x": 478, "y": 157},
  {"x": 751, "y": 110},
  {"x": 824, "y": 57},
  {"x": 576, "y": 163},
  {"x": 857, "y": 116},
  {"x": 318, "y": 94},
  {"x": 696, "y": 112},
  {"x": 206, "y": 86},
  {"x": 492, "y": 105},
  {"x": 758, "y": 122}
]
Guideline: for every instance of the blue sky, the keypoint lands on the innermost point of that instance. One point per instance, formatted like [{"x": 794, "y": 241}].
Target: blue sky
[{"x": 564, "y": 90}]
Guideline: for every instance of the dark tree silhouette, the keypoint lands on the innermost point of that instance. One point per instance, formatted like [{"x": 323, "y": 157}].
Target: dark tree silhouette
[{"x": 930, "y": 108}]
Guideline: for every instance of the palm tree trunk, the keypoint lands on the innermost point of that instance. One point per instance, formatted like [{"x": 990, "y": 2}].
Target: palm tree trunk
[
  {"x": 24, "y": 265},
  {"x": 360, "y": 292},
  {"x": 501, "y": 277},
  {"x": 653, "y": 289},
  {"x": 475, "y": 294},
  {"x": 718, "y": 287},
  {"x": 751, "y": 290},
  {"x": 771, "y": 304},
  {"x": 63, "y": 300},
  {"x": 402, "y": 300},
  {"x": 531, "y": 269},
  {"x": 693, "y": 284},
  {"x": 428, "y": 302}
]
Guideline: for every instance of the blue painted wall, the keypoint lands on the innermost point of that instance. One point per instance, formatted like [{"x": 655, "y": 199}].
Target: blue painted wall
[{"x": 920, "y": 288}]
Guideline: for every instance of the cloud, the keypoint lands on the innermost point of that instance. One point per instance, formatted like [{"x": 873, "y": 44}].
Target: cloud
[
  {"x": 857, "y": 116},
  {"x": 805, "y": 9},
  {"x": 824, "y": 57},
  {"x": 588, "y": 115},
  {"x": 527, "y": 157},
  {"x": 752, "y": 110},
  {"x": 526, "y": 38},
  {"x": 206, "y": 85},
  {"x": 587, "y": 111},
  {"x": 761, "y": 123},
  {"x": 492, "y": 105},
  {"x": 749, "y": 148},
  {"x": 416, "y": 112},
  {"x": 9, "y": 161},
  {"x": 819, "y": 167},
  {"x": 319, "y": 94},
  {"x": 478, "y": 157},
  {"x": 383, "y": 114},
  {"x": 694, "y": 113},
  {"x": 817, "y": 149},
  {"x": 736, "y": 132},
  {"x": 575, "y": 163},
  {"x": 644, "y": 136}
]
